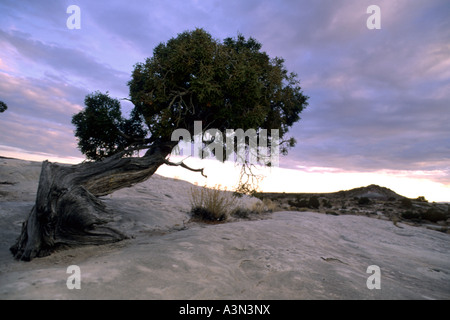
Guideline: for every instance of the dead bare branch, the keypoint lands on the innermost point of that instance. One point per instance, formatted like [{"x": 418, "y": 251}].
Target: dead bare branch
[{"x": 183, "y": 165}]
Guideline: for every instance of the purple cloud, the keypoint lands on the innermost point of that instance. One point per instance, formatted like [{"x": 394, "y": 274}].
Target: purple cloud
[{"x": 379, "y": 98}]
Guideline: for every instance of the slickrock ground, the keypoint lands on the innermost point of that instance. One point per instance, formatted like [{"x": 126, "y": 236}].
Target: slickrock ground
[{"x": 283, "y": 255}]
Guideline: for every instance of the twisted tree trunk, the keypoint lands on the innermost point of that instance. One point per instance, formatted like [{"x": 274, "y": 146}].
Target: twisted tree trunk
[{"x": 68, "y": 212}]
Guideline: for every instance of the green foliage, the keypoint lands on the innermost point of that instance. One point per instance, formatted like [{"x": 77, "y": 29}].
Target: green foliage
[
  {"x": 101, "y": 129},
  {"x": 228, "y": 85},
  {"x": 3, "y": 107}
]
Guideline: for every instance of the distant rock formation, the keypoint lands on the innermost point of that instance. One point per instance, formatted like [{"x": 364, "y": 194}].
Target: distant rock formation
[
  {"x": 372, "y": 200},
  {"x": 372, "y": 191}
]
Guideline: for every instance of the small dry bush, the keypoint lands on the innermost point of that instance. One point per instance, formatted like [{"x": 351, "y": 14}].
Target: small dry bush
[
  {"x": 270, "y": 205},
  {"x": 266, "y": 205},
  {"x": 212, "y": 204},
  {"x": 258, "y": 207}
]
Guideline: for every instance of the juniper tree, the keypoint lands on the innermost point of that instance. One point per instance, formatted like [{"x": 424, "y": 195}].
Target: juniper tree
[
  {"x": 3, "y": 107},
  {"x": 192, "y": 77}
]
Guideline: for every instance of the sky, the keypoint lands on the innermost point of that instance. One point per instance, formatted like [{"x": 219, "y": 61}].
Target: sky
[{"x": 379, "y": 107}]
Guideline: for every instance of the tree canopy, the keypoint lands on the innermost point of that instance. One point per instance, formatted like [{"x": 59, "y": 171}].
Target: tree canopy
[
  {"x": 225, "y": 84},
  {"x": 101, "y": 129},
  {"x": 3, "y": 107}
]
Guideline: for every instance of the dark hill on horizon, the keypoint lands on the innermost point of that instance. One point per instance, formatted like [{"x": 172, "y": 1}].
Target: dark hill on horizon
[
  {"x": 372, "y": 201},
  {"x": 372, "y": 191}
]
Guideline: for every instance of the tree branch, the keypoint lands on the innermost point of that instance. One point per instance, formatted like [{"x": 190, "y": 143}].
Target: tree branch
[{"x": 183, "y": 165}]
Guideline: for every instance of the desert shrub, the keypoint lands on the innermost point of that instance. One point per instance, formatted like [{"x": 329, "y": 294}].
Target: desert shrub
[
  {"x": 364, "y": 201},
  {"x": 241, "y": 213},
  {"x": 211, "y": 204},
  {"x": 326, "y": 203},
  {"x": 303, "y": 203},
  {"x": 266, "y": 205},
  {"x": 421, "y": 199},
  {"x": 313, "y": 202},
  {"x": 257, "y": 207},
  {"x": 202, "y": 214},
  {"x": 406, "y": 203},
  {"x": 269, "y": 205},
  {"x": 410, "y": 215},
  {"x": 434, "y": 215},
  {"x": 299, "y": 203}
]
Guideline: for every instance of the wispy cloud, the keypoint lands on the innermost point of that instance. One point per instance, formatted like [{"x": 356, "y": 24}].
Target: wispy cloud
[
  {"x": 38, "y": 116},
  {"x": 379, "y": 98}
]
